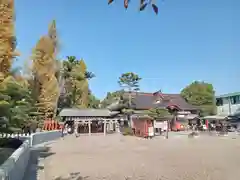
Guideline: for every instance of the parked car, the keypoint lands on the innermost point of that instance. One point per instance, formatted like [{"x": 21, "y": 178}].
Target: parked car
[
  {"x": 180, "y": 125},
  {"x": 233, "y": 123}
]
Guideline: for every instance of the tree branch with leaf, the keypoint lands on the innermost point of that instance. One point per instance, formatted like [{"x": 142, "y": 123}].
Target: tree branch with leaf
[{"x": 142, "y": 4}]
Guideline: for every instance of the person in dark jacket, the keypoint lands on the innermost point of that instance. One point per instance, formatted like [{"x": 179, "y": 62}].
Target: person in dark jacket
[
  {"x": 34, "y": 127},
  {"x": 25, "y": 129}
]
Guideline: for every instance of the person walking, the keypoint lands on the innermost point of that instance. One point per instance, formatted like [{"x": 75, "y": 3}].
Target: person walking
[{"x": 76, "y": 124}]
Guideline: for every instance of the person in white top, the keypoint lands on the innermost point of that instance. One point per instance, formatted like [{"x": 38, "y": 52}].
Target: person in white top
[{"x": 76, "y": 128}]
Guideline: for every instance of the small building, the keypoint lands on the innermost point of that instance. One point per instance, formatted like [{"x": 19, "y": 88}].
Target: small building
[
  {"x": 91, "y": 120},
  {"x": 228, "y": 104},
  {"x": 142, "y": 125},
  {"x": 144, "y": 101}
]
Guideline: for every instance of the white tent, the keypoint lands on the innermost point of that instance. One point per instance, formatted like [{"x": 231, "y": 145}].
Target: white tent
[{"x": 215, "y": 117}]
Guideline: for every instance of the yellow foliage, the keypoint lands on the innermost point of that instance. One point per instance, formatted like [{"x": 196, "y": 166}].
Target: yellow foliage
[
  {"x": 7, "y": 36},
  {"x": 83, "y": 85},
  {"x": 44, "y": 67},
  {"x": 43, "y": 57},
  {"x": 83, "y": 66},
  {"x": 52, "y": 33}
]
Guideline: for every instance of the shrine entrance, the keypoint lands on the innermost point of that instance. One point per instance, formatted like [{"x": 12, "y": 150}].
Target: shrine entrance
[
  {"x": 92, "y": 120},
  {"x": 96, "y": 127}
]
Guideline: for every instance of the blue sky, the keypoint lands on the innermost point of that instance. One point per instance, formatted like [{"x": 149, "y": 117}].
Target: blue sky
[{"x": 189, "y": 40}]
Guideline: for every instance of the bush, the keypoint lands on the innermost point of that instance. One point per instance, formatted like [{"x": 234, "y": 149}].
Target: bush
[{"x": 127, "y": 131}]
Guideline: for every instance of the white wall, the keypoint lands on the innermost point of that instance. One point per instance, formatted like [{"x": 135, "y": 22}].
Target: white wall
[
  {"x": 227, "y": 108},
  {"x": 15, "y": 166}
]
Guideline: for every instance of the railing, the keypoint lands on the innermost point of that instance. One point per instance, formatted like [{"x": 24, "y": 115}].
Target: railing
[
  {"x": 42, "y": 137},
  {"x": 14, "y": 135},
  {"x": 21, "y": 136},
  {"x": 14, "y": 167}
]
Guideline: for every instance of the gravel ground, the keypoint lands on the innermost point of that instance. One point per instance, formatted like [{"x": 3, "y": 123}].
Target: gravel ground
[{"x": 115, "y": 157}]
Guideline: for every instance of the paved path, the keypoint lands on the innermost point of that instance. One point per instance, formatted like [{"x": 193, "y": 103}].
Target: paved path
[
  {"x": 115, "y": 157},
  {"x": 36, "y": 161}
]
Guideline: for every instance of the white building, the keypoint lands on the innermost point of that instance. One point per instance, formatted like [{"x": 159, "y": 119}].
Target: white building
[{"x": 228, "y": 104}]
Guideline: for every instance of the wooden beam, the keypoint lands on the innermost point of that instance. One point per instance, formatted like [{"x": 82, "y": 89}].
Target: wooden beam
[{"x": 104, "y": 127}]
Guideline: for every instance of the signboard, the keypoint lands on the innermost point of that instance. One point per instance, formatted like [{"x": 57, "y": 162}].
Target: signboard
[
  {"x": 184, "y": 112},
  {"x": 160, "y": 124},
  {"x": 150, "y": 131}
]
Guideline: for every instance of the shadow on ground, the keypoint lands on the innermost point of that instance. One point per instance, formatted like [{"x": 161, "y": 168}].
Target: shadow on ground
[
  {"x": 34, "y": 166},
  {"x": 73, "y": 176}
]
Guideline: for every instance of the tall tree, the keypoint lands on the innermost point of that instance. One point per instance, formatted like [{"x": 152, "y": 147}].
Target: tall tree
[
  {"x": 83, "y": 84},
  {"x": 7, "y": 36},
  {"x": 201, "y": 94},
  {"x": 75, "y": 77},
  {"x": 44, "y": 70},
  {"x": 129, "y": 81},
  {"x": 11, "y": 92}
]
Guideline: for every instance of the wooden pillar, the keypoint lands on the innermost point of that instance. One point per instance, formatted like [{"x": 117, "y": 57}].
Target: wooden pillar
[
  {"x": 116, "y": 126},
  {"x": 104, "y": 127},
  {"x": 89, "y": 127}
]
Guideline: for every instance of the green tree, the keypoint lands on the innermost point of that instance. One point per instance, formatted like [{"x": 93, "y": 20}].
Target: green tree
[
  {"x": 119, "y": 99},
  {"x": 75, "y": 77},
  {"x": 158, "y": 113},
  {"x": 16, "y": 102},
  {"x": 111, "y": 98},
  {"x": 93, "y": 102},
  {"x": 129, "y": 81},
  {"x": 202, "y": 95}
]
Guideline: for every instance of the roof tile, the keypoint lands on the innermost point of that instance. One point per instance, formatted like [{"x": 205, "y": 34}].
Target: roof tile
[
  {"x": 147, "y": 101},
  {"x": 74, "y": 112}
]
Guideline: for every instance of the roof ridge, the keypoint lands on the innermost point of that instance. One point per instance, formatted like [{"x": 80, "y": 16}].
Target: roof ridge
[{"x": 151, "y": 93}]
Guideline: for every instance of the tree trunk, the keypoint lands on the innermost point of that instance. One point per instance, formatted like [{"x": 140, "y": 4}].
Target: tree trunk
[
  {"x": 129, "y": 98},
  {"x": 130, "y": 104},
  {"x": 171, "y": 123}
]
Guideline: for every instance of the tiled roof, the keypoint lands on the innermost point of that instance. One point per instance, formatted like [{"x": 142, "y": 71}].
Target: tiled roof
[
  {"x": 147, "y": 101},
  {"x": 74, "y": 112}
]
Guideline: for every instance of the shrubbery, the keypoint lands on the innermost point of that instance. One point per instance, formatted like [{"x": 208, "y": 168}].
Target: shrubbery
[{"x": 127, "y": 131}]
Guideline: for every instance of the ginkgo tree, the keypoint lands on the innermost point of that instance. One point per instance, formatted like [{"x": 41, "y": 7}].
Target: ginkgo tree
[{"x": 143, "y": 4}]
